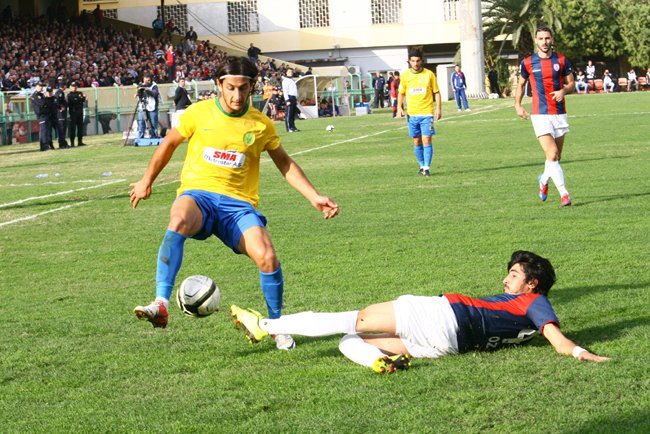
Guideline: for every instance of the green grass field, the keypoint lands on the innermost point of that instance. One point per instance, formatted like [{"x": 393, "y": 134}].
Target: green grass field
[{"x": 76, "y": 259}]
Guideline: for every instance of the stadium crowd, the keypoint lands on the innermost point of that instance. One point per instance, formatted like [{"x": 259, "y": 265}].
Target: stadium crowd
[{"x": 57, "y": 48}]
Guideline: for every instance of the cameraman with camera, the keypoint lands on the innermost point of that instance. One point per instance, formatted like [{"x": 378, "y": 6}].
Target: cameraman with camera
[
  {"x": 148, "y": 96},
  {"x": 42, "y": 102},
  {"x": 76, "y": 101}
]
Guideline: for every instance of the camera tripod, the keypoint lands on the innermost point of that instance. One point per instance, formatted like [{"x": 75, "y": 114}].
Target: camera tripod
[{"x": 142, "y": 104}]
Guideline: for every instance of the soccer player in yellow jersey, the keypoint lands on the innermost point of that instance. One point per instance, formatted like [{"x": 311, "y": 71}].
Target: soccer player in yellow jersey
[
  {"x": 418, "y": 85},
  {"x": 219, "y": 187}
]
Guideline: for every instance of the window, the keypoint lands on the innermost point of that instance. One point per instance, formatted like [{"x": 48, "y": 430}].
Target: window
[
  {"x": 386, "y": 11},
  {"x": 243, "y": 17},
  {"x": 314, "y": 13},
  {"x": 451, "y": 9},
  {"x": 178, "y": 13}
]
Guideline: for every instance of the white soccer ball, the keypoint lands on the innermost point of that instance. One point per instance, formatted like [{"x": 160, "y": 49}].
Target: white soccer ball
[
  {"x": 198, "y": 296},
  {"x": 329, "y": 128}
]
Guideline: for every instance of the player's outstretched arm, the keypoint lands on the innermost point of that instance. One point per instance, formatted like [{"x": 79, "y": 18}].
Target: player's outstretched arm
[
  {"x": 298, "y": 180},
  {"x": 437, "y": 113},
  {"x": 564, "y": 345},
  {"x": 142, "y": 189}
]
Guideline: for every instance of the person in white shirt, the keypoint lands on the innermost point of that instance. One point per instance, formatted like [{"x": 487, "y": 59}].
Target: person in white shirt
[
  {"x": 632, "y": 81},
  {"x": 608, "y": 83}
]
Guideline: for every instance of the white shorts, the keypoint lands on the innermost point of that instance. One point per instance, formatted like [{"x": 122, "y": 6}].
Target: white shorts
[
  {"x": 555, "y": 125},
  {"x": 426, "y": 325}
]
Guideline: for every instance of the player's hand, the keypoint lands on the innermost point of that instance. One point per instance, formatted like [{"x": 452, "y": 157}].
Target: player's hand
[
  {"x": 437, "y": 114},
  {"x": 557, "y": 95},
  {"x": 586, "y": 355},
  {"x": 400, "y": 112},
  {"x": 139, "y": 190},
  {"x": 521, "y": 112},
  {"x": 327, "y": 206}
]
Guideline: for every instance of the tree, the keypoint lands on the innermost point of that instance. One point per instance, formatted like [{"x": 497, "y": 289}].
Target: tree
[
  {"x": 588, "y": 28},
  {"x": 518, "y": 20},
  {"x": 632, "y": 20}
]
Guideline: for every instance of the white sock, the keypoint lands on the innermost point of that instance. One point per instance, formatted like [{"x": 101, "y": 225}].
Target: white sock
[
  {"x": 312, "y": 323},
  {"x": 359, "y": 351},
  {"x": 557, "y": 175},
  {"x": 164, "y": 300},
  {"x": 547, "y": 170}
]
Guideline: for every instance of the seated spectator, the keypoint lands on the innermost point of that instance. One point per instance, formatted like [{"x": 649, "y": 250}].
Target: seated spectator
[
  {"x": 591, "y": 71},
  {"x": 191, "y": 35},
  {"x": 581, "y": 83},
  {"x": 170, "y": 28},
  {"x": 608, "y": 82},
  {"x": 324, "y": 109},
  {"x": 632, "y": 81}
]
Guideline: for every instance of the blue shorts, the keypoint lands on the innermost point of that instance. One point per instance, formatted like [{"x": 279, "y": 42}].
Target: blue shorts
[
  {"x": 224, "y": 217},
  {"x": 421, "y": 126}
]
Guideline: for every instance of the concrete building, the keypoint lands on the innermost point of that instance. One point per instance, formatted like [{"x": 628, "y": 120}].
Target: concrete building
[{"x": 363, "y": 35}]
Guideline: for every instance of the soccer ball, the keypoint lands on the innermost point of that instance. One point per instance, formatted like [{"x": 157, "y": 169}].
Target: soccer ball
[
  {"x": 329, "y": 128},
  {"x": 198, "y": 296}
]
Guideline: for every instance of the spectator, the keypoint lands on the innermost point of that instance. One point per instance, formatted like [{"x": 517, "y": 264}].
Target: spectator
[
  {"x": 158, "y": 26},
  {"x": 170, "y": 27},
  {"x": 99, "y": 15},
  {"x": 254, "y": 53},
  {"x": 394, "y": 87},
  {"x": 632, "y": 81},
  {"x": 378, "y": 85},
  {"x": 191, "y": 35},
  {"x": 458, "y": 84},
  {"x": 76, "y": 101},
  {"x": 608, "y": 82},
  {"x": 181, "y": 98},
  {"x": 647, "y": 79},
  {"x": 590, "y": 71},
  {"x": 170, "y": 62},
  {"x": 493, "y": 78},
  {"x": 581, "y": 83}
]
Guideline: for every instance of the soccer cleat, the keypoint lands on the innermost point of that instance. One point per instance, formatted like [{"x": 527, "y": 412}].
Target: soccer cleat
[
  {"x": 421, "y": 171},
  {"x": 248, "y": 321},
  {"x": 566, "y": 200},
  {"x": 467, "y": 110},
  {"x": 426, "y": 172},
  {"x": 543, "y": 189},
  {"x": 391, "y": 364},
  {"x": 284, "y": 342},
  {"x": 156, "y": 313}
]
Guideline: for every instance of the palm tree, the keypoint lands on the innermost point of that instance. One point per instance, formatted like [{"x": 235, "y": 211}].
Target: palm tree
[{"x": 517, "y": 20}]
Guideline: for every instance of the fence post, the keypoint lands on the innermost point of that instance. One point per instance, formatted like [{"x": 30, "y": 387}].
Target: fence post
[
  {"x": 96, "y": 108},
  {"x": 117, "y": 91}
]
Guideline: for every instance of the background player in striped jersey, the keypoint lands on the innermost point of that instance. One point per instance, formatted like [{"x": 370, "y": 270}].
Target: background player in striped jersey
[
  {"x": 420, "y": 88},
  {"x": 384, "y": 336},
  {"x": 551, "y": 78},
  {"x": 219, "y": 188}
]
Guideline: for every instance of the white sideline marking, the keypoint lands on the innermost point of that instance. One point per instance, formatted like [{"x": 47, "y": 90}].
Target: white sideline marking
[
  {"x": 33, "y": 216},
  {"x": 32, "y": 184},
  {"x": 3, "y": 205}
]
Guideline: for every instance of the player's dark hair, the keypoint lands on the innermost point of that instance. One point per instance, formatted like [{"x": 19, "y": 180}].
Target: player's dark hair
[
  {"x": 396, "y": 74},
  {"x": 415, "y": 52},
  {"x": 237, "y": 65},
  {"x": 535, "y": 267},
  {"x": 544, "y": 29}
]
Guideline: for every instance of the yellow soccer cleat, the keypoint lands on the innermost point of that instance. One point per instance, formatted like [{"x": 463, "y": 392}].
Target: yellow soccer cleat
[
  {"x": 247, "y": 320},
  {"x": 391, "y": 364}
]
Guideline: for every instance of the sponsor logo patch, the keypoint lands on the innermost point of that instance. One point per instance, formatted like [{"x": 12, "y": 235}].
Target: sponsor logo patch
[
  {"x": 223, "y": 158},
  {"x": 249, "y": 138},
  {"x": 556, "y": 67}
]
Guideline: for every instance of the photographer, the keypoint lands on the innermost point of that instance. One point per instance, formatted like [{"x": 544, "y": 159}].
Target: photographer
[
  {"x": 148, "y": 96},
  {"x": 42, "y": 103},
  {"x": 60, "y": 115},
  {"x": 76, "y": 102}
]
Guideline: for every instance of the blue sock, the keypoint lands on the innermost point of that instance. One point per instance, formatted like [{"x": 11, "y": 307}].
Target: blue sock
[
  {"x": 170, "y": 257},
  {"x": 273, "y": 288},
  {"x": 428, "y": 155},
  {"x": 419, "y": 154}
]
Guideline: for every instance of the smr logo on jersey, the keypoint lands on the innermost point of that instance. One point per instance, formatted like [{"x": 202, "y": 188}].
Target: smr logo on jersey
[
  {"x": 220, "y": 157},
  {"x": 556, "y": 67}
]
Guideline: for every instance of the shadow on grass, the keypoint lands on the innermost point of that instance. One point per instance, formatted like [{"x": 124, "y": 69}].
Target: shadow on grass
[
  {"x": 536, "y": 164},
  {"x": 602, "y": 199},
  {"x": 568, "y": 295},
  {"x": 617, "y": 423}
]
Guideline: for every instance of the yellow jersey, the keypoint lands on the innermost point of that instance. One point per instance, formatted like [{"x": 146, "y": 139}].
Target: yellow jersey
[
  {"x": 223, "y": 153},
  {"x": 419, "y": 88}
]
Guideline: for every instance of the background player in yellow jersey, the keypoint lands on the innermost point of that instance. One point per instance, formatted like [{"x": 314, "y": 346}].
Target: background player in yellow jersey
[
  {"x": 219, "y": 187},
  {"x": 420, "y": 88}
]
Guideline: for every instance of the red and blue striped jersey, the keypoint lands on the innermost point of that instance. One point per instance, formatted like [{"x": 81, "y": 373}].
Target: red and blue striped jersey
[
  {"x": 546, "y": 76},
  {"x": 490, "y": 323}
]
